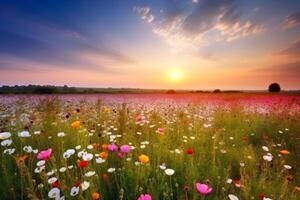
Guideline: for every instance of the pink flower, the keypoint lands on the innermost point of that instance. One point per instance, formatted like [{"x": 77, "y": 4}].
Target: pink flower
[
  {"x": 112, "y": 147},
  {"x": 203, "y": 189},
  {"x": 145, "y": 197},
  {"x": 121, "y": 155},
  {"x": 139, "y": 118},
  {"x": 160, "y": 131},
  {"x": 44, "y": 155},
  {"x": 125, "y": 149}
]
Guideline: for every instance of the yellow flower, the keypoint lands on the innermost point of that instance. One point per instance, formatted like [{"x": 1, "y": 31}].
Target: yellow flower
[
  {"x": 75, "y": 124},
  {"x": 284, "y": 152},
  {"x": 106, "y": 109},
  {"x": 144, "y": 159}
]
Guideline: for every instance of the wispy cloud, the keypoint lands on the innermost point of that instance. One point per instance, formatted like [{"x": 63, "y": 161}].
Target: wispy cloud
[
  {"x": 291, "y": 51},
  {"x": 144, "y": 13},
  {"x": 78, "y": 54},
  {"x": 292, "y": 20},
  {"x": 282, "y": 71},
  {"x": 194, "y": 22}
]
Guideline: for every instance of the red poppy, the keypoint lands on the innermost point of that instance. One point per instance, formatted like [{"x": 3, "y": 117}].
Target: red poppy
[
  {"x": 289, "y": 178},
  {"x": 56, "y": 184},
  {"x": 77, "y": 184},
  {"x": 237, "y": 183},
  {"x": 189, "y": 151},
  {"x": 261, "y": 195},
  {"x": 83, "y": 164}
]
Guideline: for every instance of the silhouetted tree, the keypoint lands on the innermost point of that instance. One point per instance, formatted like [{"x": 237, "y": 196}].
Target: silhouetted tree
[
  {"x": 274, "y": 87},
  {"x": 171, "y": 92}
]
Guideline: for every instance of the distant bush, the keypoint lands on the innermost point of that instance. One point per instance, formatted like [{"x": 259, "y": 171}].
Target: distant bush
[
  {"x": 217, "y": 91},
  {"x": 274, "y": 87},
  {"x": 171, "y": 92}
]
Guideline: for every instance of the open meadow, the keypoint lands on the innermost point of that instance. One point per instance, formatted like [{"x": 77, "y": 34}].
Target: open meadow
[{"x": 150, "y": 146}]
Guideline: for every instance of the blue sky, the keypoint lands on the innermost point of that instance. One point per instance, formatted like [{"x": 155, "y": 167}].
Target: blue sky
[{"x": 226, "y": 44}]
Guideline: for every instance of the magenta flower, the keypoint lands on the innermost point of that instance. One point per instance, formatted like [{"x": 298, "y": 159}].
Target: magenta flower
[
  {"x": 203, "y": 189},
  {"x": 112, "y": 147},
  {"x": 160, "y": 130},
  {"x": 125, "y": 149},
  {"x": 44, "y": 155},
  {"x": 145, "y": 197}
]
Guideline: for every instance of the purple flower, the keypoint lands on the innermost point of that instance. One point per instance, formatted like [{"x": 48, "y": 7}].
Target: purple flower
[
  {"x": 112, "y": 147},
  {"x": 125, "y": 149}
]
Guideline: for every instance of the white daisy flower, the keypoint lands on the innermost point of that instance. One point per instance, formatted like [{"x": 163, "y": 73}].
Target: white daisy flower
[
  {"x": 5, "y": 135},
  {"x": 90, "y": 173},
  {"x": 54, "y": 193},
  {"x": 9, "y": 151},
  {"x": 27, "y": 149},
  {"x": 87, "y": 156},
  {"x": 268, "y": 158},
  {"x": 62, "y": 169},
  {"x": 41, "y": 163},
  {"x": 233, "y": 197},
  {"x": 100, "y": 160},
  {"x": 61, "y": 134},
  {"x": 24, "y": 134},
  {"x": 52, "y": 180},
  {"x": 74, "y": 191},
  {"x": 111, "y": 170},
  {"x": 85, "y": 185},
  {"x": 287, "y": 166},
  {"x": 265, "y": 148},
  {"x": 6, "y": 143},
  {"x": 169, "y": 172}
]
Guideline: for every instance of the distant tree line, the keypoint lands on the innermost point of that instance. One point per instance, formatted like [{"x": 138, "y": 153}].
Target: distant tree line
[
  {"x": 36, "y": 89},
  {"x": 49, "y": 89}
]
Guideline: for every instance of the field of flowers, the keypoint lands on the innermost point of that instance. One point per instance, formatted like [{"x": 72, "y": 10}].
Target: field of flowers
[{"x": 150, "y": 147}]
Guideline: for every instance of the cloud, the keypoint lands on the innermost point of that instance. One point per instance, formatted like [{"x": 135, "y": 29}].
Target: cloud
[
  {"x": 144, "y": 13},
  {"x": 288, "y": 70},
  {"x": 291, "y": 21},
  {"x": 195, "y": 22},
  {"x": 292, "y": 51},
  {"x": 36, "y": 52}
]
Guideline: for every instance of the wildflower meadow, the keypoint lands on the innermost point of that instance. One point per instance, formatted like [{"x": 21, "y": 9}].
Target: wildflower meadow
[{"x": 150, "y": 147}]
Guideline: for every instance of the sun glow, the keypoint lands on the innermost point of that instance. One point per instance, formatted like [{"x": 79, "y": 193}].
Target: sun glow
[{"x": 175, "y": 75}]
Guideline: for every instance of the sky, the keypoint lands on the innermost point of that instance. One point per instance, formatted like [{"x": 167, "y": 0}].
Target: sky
[{"x": 163, "y": 44}]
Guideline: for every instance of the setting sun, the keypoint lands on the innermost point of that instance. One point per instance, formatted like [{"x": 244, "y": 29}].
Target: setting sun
[{"x": 175, "y": 75}]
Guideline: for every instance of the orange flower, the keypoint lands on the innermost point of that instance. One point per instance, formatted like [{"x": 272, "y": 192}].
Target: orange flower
[
  {"x": 95, "y": 196},
  {"x": 104, "y": 147},
  {"x": 75, "y": 124},
  {"x": 21, "y": 159},
  {"x": 284, "y": 152},
  {"x": 103, "y": 154},
  {"x": 95, "y": 145},
  {"x": 297, "y": 188},
  {"x": 144, "y": 159},
  {"x": 106, "y": 109}
]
